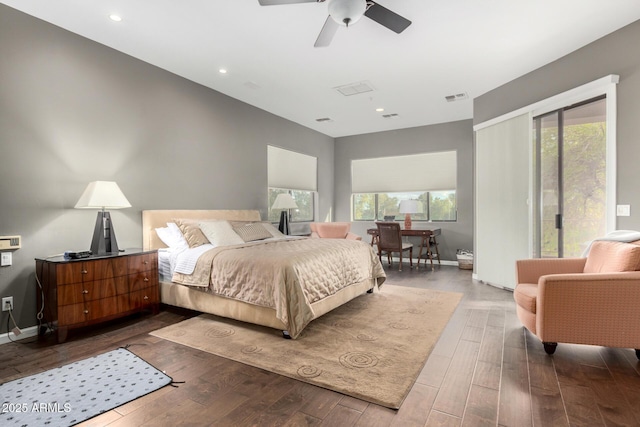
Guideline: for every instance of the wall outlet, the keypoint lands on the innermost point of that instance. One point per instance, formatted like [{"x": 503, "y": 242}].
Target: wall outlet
[{"x": 7, "y": 303}]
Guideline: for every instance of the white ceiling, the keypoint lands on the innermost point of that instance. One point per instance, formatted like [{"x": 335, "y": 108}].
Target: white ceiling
[{"x": 452, "y": 46}]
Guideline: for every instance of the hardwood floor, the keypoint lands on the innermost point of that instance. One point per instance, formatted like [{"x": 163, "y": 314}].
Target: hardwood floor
[{"x": 485, "y": 370}]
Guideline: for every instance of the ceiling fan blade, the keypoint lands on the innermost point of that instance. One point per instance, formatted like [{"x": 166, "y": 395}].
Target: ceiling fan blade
[
  {"x": 326, "y": 34},
  {"x": 386, "y": 18},
  {"x": 277, "y": 2}
]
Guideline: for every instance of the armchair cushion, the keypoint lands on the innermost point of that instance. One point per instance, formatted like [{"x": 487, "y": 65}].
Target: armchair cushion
[{"x": 610, "y": 257}]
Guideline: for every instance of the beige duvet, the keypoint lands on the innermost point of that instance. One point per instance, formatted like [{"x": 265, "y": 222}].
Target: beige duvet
[{"x": 287, "y": 275}]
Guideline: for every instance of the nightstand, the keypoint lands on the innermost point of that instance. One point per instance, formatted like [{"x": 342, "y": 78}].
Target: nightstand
[{"x": 89, "y": 291}]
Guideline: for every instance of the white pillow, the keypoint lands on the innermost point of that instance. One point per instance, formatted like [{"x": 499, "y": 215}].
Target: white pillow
[
  {"x": 172, "y": 236},
  {"x": 220, "y": 233}
]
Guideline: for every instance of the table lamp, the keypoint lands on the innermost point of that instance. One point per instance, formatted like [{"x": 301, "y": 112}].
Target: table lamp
[
  {"x": 285, "y": 202},
  {"x": 103, "y": 195},
  {"x": 408, "y": 207}
]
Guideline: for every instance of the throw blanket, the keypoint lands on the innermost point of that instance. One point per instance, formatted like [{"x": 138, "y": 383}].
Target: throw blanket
[
  {"x": 624, "y": 236},
  {"x": 287, "y": 276}
]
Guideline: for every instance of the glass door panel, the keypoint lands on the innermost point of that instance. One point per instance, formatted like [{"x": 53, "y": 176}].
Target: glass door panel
[{"x": 570, "y": 161}]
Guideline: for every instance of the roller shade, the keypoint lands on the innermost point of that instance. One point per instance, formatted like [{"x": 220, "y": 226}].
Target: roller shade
[
  {"x": 291, "y": 170},
  {"x": 416, "y": 172}
]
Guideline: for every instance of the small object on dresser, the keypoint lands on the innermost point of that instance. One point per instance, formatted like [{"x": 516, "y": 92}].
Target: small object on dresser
[{"x": 77, "y": 254}]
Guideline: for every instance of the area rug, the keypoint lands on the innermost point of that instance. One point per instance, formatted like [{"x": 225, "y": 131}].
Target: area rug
[
  {"x": 372, "y": 348},
  {"x": 73, "y": 393}
]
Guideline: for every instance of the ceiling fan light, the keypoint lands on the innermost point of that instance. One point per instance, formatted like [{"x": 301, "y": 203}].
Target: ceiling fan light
[{"x": 347, "y": 12}]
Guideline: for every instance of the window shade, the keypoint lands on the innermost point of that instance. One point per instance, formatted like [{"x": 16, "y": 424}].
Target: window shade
[
  {"x": 501, "y": 199},
  {"x": 290, "y": 170},
  {"x": 416, "y": 172}
]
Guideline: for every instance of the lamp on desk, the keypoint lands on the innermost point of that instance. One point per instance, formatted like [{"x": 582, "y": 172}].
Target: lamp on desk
[
  {"x": 103, "y": 195},
  {"x": 408, "y": 207},
  {"x": 285, "y": 202}
]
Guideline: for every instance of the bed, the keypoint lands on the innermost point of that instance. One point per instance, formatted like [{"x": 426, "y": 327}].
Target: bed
[{"x": 281, "y": 282}]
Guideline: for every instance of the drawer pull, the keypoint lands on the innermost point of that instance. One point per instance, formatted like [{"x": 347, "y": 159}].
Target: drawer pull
[
  {"x": 145, "y": 262},
  {"x": 84, "y": 291},
  {"x": 84, "y": 272},
  {"x": 86, "y": 312},
  {"x": 146, "y": 297},
  {"x": 146, "y": 279}
]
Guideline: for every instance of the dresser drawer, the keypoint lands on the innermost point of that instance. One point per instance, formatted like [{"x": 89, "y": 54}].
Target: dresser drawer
[
  {"x": 98, "y": 289},
  {"x": 143, "y": 279},
  {"x": 143, "y": 262},
  {"x": 85, "y": 312},
  {"x": 87, "y": 271}
]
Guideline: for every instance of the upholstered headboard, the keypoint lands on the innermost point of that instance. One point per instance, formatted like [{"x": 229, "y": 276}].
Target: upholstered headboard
[{"x": 158, "y": 218}]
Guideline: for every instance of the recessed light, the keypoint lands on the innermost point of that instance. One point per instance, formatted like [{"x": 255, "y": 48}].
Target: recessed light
[
  {"x": 115, "y": 17},
  {"x": 222, "y": 71},
  {"x": 379, "y": 110}
]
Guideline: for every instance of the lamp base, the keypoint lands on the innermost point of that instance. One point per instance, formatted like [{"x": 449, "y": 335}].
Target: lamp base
[
  {"x": 407, "y": 221},
  {"x": 283, "y": 227},
  {"x": 104, "y": 237}
]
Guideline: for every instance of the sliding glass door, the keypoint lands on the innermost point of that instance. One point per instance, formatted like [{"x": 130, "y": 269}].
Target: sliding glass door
[{"x": 570, "y": 184}]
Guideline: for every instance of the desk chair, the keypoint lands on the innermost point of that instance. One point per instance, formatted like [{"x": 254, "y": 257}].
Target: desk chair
[{"x": 390, "y": 240}]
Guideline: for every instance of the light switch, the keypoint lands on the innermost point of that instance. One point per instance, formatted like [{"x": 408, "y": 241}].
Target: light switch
[
  {"x": 5, "y": 259},
  {"x": 623, "y": 210}
]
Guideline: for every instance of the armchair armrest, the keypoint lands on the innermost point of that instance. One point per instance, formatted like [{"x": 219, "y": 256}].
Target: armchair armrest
[
  {"x": 530, "y": 270},
  {"x": 590, "y": 308}
]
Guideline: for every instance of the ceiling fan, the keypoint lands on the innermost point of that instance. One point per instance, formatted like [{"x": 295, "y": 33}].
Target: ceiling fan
[{"x": 348, "y": 12}]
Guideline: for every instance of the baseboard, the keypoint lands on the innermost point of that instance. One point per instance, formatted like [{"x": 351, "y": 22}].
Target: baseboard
[{"x": 29, "y": 332}]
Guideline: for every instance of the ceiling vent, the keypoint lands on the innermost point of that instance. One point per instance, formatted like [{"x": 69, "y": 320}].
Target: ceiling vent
[
  {"x": 324, "y": 119},
  {"x": 355, "y": 88},
  {"x": 390, "y": 116},
  {"x": 456, "y": 97}
]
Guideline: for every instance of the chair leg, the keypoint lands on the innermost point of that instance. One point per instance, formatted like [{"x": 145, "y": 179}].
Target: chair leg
[
  {"x": 550, "y": 347},
  {"x": 411, "y": 257},
  {"x": 400, "y": 268}
]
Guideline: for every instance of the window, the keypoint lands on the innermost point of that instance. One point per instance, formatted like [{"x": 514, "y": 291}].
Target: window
[
  {"x": 304, "y": 200},
  {"x": 432, "y": 206},
  {"x": 379, "y": 185},
  {"x": 295, "y": 174}
]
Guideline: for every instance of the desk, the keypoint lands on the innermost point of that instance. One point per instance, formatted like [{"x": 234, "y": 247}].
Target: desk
[{"x": 426, "y": 235}]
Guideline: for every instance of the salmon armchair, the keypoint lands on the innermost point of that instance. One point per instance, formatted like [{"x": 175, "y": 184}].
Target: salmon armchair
[
  {"x": 333, "y": 230},
  {"x": 593, "y": 300}
]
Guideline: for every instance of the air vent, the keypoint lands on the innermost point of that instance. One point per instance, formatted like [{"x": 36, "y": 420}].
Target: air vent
[
  {"x": 456, "y": 97},
  {"x": 355, "y": 88},
  {"x": 324, "y": 119},
  {"x": 390, "y": 116}
]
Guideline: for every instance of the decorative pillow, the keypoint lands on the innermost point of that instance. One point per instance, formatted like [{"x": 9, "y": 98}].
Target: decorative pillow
[
  {"x": 172, "y": 236},
  {"x": 220, "y": 233},
  {"x": 610, "y": 257},
  {"x": 191, "y": 230},
  {"x": 252, "y": 231}
]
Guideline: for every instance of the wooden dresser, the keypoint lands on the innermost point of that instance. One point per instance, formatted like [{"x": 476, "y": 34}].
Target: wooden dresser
[{"x": 89, "y": 291}]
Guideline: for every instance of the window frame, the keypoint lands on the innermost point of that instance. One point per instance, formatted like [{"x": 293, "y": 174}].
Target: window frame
[{"x": 379, "y": 216}]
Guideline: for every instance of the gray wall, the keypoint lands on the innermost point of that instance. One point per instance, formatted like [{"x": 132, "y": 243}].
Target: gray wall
[
  {"x": 74, "y": 111},
  {"x": 442, "y": 137},
  {"x": 617, "y": 53}
]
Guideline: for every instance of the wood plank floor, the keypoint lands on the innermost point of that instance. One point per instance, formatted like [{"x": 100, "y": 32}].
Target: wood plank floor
[{"x": 485, "y": 370}]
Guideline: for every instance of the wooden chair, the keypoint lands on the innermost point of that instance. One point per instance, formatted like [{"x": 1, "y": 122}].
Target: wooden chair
[{"x": 390, "y": 240}]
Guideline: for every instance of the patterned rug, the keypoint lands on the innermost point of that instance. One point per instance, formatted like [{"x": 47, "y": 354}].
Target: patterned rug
[
  {"x": 73, "y": 393},
  {"x": 372, "y": 348}
]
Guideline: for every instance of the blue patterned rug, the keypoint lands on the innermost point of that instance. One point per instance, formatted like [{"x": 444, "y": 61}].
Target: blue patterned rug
[{"x": 73, "y": 393}]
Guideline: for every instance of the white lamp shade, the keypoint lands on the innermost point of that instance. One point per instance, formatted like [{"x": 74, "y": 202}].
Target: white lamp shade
[
  {"x": 347, "y": 12},
  {"x": 102, "y": 195},
  {"x": 408, "y": 206},
  {"x": 284, "y": 201}
]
